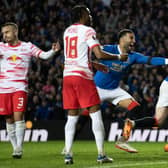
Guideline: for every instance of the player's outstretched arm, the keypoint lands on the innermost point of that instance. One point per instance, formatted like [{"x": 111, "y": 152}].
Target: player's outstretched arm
[
  {"x": 100, "y": 54},
  {"x": 142, "y": 59},
  {"x": 55, "y": 48}
]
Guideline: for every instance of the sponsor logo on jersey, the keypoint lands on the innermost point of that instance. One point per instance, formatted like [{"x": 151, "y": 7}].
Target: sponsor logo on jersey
[
  {"x": 14, "y": 58},
  {"x": 116, "y": 67}
]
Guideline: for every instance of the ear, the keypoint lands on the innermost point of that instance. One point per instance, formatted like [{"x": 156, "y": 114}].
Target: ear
[{"x": 16, "y": 32}]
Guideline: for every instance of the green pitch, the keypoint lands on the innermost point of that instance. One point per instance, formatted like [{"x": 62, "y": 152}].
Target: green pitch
[{"x": 47, "y": 155}]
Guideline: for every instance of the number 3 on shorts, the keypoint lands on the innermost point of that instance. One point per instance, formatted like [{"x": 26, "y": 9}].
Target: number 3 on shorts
[{"x": 20, "y": 102}]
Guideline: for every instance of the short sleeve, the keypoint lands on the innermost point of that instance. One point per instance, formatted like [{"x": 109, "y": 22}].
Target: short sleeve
[
  {"x": 35, "y": 51},
  {"x": 90, "y": 38}
]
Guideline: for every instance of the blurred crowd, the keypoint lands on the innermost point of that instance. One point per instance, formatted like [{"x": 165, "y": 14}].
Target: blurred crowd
[{"x": 43, "y": 22}]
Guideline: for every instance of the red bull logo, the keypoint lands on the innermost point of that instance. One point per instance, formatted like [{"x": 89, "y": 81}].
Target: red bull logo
[{"x": 14, "y": 58}]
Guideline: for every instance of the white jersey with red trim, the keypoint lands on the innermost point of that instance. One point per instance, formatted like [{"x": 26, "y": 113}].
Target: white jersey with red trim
[
  {"x": 78, "y": 42},
  {"x": 14, "y": 65}
]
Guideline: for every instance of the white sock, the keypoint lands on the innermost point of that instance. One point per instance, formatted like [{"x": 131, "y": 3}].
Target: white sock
[
  {"x": 70, "y": 128},
  {"x": 11, "y": 133},
  {"x": 98, "y": 130},
  {"x": 20, "y": 129}
]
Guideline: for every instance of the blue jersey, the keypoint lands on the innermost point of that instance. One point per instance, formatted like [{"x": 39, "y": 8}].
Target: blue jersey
[
  {"x": 118, "y": 68},
  {"x": 166, "y": 79}
]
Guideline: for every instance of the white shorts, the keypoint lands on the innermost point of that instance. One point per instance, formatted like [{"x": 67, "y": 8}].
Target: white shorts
[
  {"x": 114, "y": 95},
  {"x": 163, "y": 95}
]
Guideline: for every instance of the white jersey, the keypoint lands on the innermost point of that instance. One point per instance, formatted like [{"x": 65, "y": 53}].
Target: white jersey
[
  {"x": 78, "y": 42},
  {"x": 163, "y": 96},
  {"x": 14, "y": 65}
]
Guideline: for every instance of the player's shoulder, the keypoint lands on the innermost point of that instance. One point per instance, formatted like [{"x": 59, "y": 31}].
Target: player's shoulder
[
  {"x": 134, "y": 53},
  {"x": 2, "y": 43},
  {"x": 88, "y": 29},
  {"x": 27, "y": 43},
  {"x": 81, "y": 26},
  {"x": 109, "y": 47}
]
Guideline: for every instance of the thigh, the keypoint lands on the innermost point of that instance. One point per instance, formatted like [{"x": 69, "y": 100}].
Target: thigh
[
  {"x": 87, "y": 93},
  {"x": 6, "y": 106},
  {"x": 161, "y": 115},
  {"x": 114, "y": 96},
  {"x": 122, "y": 97},
  {"x": 70, "y": 100}
]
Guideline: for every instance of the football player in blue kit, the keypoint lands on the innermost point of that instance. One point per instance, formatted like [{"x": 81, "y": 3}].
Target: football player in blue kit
[{"x": 108, "y": 85}]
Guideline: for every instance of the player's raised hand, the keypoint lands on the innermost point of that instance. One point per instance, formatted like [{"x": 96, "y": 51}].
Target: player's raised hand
[
  {"x": 56, "y": 46},
  {"x": 123, "y": 57}
]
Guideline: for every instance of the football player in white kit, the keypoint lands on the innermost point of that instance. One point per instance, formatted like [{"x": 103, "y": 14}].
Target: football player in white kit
[
  {"x": 14, "y": 65},
  {"x": 79, "y": 90}
]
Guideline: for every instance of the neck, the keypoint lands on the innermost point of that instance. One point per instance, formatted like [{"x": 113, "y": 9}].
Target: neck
[
  {"x": 14, "y": 43},
  {"x": 123, "y": 49}
]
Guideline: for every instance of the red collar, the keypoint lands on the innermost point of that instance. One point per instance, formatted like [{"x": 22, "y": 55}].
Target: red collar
[{"x": 18, "y": 44}]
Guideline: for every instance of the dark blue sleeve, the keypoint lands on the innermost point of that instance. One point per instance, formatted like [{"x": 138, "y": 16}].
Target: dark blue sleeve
[
  {"x": 142, "y": 59},
  {"x": 157, "y": 61},
  {"x": 107, "y": 48}
]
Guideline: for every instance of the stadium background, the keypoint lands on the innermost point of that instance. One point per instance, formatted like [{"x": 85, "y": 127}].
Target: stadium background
[{"x": 43, "y": 23}]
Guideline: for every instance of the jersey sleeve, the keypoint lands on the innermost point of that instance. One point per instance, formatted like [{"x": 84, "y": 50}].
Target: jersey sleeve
[
  {"x": 157, "y": 61},
  {"x": 142, "y": 59},
  {"x": 90, "y": 38},
  {"x": 35, "y": 51},
  {"x": 107, "y": 48}
]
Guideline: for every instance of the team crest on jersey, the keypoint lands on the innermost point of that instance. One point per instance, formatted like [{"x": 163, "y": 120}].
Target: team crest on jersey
[
  {"x": 116, "y": 67},
  {"x": 14, "y": 58}
]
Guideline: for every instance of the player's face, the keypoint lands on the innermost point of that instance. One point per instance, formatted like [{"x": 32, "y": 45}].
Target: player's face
[
  {"x": 9, "y": 34},
  {"x": 129, "y": 41}
]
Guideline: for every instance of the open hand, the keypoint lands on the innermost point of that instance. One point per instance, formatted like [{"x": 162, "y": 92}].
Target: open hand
[{"x": 56, "y": 46}]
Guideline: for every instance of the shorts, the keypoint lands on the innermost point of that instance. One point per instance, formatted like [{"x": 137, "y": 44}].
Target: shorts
[
  {"x": 13, "y": 102},
  {"x": 113, "y": 95},
  {"x": 163, "y": 95},
  {"x": 79, "y": 93}
]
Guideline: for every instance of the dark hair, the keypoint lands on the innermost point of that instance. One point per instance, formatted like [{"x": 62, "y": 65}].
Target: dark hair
[
  {"x": 10, "y": 24},
  {"x": 123, "y": 32},
  {"x": 78, "y": 12}
]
